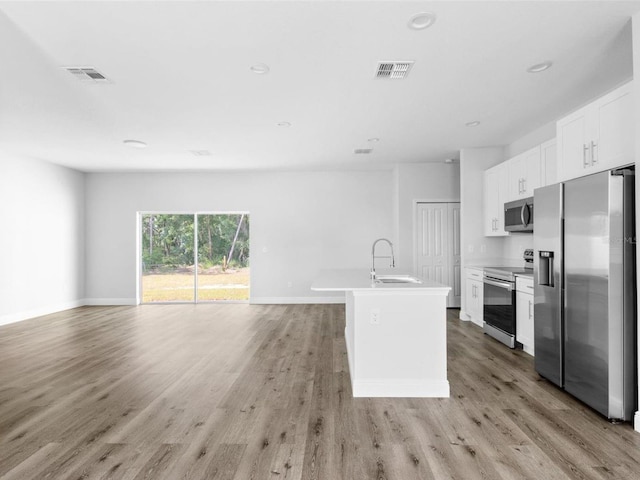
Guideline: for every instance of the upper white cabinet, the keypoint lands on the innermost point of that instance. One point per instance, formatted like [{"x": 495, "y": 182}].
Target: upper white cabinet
[
  {"x": 548, "y": 163},
  {"x": 597, "y": 137},
  {"x": 524, "y": 174},
  {"x": 515, "y": 179},
  {"x": 495, "y": 186}
]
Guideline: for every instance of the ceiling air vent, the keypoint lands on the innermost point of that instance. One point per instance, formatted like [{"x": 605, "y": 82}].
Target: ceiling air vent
[
  {"x": 393, "y": 69},
  {"x": 87, "y": 74},
  {"x": 362, "y": 151}
]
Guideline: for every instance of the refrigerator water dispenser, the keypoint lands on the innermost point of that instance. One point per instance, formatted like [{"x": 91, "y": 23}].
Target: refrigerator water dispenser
[{"x": 545, "y": 268}]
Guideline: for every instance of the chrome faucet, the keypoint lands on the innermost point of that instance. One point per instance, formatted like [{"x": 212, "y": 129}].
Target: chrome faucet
[{"x": 373, "y": 256}]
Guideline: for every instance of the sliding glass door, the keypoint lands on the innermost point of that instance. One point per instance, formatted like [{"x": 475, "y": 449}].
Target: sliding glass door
[
  {"x": 195, "y": 257},
  {"x": 223, "y": 257},
  {"x": 167, "y": 258}
]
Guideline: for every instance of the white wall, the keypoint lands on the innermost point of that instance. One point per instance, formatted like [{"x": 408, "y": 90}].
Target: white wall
[
  {"x": 436, "y": 182},
  {"x": 636, "y": 92},
  {"x": 531, "y": 139},
  {"x": 42, "y": 240},
  {"x": 300, "y": 223}
]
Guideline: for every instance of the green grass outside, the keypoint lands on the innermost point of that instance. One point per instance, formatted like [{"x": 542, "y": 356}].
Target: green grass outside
[{"x": 178, "y": 287}]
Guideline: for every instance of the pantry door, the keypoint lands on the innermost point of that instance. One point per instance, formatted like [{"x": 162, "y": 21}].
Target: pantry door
[{"x": 438, "y": 246}]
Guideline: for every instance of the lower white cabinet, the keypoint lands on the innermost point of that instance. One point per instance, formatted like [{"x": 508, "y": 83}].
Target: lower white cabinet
[
  {"x": 524, "y": 314},
  {"x": 474, "y": 294}
]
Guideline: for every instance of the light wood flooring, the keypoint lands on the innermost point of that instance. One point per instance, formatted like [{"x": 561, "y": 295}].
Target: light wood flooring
[{"x": 263, "y": 392}]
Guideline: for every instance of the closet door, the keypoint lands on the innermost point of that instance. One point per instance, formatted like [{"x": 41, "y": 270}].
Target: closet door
[
  {"x": 433, "y": 242},
  {"x": 438, "y": 246}
]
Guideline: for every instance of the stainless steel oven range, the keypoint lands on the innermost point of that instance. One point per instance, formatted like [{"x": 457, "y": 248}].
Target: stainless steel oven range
[{"x": 500, "y": 303}]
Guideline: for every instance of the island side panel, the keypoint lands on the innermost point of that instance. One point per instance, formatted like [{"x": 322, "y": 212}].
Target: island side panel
[
  {"x": 349, "y": 331},
  {"x": 404, "y": 354}
]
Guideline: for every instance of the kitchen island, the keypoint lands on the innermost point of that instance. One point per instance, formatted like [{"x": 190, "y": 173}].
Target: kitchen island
[{"x": 395, "y": 334}]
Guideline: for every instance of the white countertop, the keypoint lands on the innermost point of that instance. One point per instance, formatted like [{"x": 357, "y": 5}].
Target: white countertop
[
  {"x": 349, "y": 280},
  {"x": 525, "y": 275}
]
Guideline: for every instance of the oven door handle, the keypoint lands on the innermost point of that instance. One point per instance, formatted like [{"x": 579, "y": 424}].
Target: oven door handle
[{"x": 506, "y": 285}]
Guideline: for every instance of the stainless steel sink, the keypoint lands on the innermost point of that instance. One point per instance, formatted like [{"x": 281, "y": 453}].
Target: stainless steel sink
[{"x": 397, "y": 279}]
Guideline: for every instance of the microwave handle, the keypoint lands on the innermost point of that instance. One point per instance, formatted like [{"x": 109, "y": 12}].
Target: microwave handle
[{"x": 525, "y": 207}]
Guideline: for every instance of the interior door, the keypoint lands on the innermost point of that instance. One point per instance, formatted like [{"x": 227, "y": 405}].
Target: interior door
[{"x": 438, "y": 242}]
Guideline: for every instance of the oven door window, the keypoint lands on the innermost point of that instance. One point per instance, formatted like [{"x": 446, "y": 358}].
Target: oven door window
[{"x": 499, "y": 308}]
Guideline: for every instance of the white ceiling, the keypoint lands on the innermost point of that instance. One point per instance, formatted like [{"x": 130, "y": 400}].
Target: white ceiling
[{"x": 180, "y": 79}]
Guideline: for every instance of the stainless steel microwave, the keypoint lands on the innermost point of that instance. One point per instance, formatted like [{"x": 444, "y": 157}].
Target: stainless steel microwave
[{"x": 518, "y": 215}]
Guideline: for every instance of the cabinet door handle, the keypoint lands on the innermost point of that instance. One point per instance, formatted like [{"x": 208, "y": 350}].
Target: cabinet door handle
[
  {"x": 520, "y": 185},
  {"x": 594, "y": 157},
  {"x": 524, "y": 185},
  {"x": 585, "y": 149},
  {"x": 530, "y": 314}
]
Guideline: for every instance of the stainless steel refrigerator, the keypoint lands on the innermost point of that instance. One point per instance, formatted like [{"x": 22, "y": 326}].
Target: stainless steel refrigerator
[{"x": 584, "y": 290}]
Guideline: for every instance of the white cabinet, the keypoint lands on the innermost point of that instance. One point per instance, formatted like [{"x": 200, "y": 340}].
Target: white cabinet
[
  {"x": 598, "y": 137},
  {"x": 474, "y": 294},
  {"x": 524, "y": 174},
  {"x": 548, "y": 163},
  {"x": 495, "y": 185},
  {"x": 524, "y": 314}
]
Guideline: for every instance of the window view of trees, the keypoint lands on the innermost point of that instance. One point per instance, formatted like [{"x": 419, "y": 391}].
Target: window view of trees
[{"x": 168, "y": 257}]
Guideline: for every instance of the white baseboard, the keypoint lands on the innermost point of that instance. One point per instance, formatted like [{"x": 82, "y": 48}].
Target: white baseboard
[
  {"x": 296, "y": 300},
  {"x": 636, "y": 422},
  {"x": 401, "y": 388},
  {"x": 464, "y": 316},
  {"x": 109, "y": 301},
  {"x": 39, "y": 312}
]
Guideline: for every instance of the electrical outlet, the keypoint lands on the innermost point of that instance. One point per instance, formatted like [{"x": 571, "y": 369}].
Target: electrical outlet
[
  {"x": 289, "y": 284},
  {"x": 375, "y": 316},
  {"x": 470, "y": 248},
  {"x": 483, "y": 249}
]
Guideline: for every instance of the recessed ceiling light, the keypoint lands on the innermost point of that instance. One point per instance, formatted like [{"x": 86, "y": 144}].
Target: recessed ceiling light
[
  {"x": 373, "y": 139},
  {"x": 475, "y": 123},
  {"x": 422, "y": 20},
  {"x": 260, "y": 68},
  {"x": 135, "y": 143},
  {"x": 539, "y": 67},
  {"x": 284, "y": 124},
  {"x": 201, "y": 153}
]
